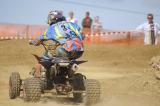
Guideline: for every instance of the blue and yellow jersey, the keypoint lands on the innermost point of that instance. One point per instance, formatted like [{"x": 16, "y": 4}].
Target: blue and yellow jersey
[{"x": 65, "y": 33}]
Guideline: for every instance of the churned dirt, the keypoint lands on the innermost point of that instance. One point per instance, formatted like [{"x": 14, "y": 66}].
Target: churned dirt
[{"x": 123, "y": 71}]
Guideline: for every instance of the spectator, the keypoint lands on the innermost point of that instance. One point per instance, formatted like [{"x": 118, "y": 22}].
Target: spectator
[
  {"x": 97, "y": 25},
  {"x": 151, "y": 31},
  {"x": 71, "y": 18},
  {"x": 87, "y": 23}
]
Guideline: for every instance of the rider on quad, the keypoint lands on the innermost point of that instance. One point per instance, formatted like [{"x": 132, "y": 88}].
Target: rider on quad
[{"x": 66, "y": 35}]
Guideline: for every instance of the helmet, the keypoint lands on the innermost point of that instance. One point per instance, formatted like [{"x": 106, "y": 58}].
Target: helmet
[{"x": 54, "y": 17}]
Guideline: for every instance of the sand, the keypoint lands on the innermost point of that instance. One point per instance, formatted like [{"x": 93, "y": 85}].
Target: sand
[{"x": 123, "y": 71}]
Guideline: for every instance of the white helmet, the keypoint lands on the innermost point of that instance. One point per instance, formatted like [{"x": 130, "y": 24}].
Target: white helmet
[{"x": 54, "y": 17}]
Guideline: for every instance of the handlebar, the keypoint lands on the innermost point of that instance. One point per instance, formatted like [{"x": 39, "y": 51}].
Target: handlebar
[{"x": 47, "y": 46}]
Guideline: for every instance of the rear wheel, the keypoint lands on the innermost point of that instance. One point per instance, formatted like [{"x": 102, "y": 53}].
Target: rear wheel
[
  {"x": 78, "y": 85},
  {"x": 92, "y": 91},
  {"x": 32, "y": 89},
  {"x": 14, "y": 85}
]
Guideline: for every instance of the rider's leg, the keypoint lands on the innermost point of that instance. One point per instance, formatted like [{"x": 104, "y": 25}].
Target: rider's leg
[
  {"x": 61, "y": 52},
  {"x": 71, "y": 55},
  {"x": 38, "y": 68},
  {"x": 75, "y": 54}
]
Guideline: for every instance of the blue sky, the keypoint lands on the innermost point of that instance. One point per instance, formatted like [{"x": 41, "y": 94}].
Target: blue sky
[{"x": 114, "y": 14}]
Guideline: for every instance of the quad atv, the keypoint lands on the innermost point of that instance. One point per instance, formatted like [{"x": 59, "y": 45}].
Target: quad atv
[{"x": 58, "y": 75}]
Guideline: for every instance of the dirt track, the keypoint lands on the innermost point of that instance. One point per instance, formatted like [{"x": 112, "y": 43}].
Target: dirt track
[{"x": 123, "y": 71}]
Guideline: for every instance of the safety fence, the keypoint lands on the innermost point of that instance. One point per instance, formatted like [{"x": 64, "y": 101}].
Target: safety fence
[
  {"x": 14, "y": 31},
  {"x": 120, "y": 37}
]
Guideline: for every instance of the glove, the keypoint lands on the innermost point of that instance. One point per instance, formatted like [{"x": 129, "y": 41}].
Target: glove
[
  {"x": 35, "y": 42},
  {"x": 31, "y": 42}
]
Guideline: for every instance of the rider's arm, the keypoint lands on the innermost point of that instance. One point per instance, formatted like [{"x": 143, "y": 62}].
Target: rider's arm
[{"x": 47, "y": 35}]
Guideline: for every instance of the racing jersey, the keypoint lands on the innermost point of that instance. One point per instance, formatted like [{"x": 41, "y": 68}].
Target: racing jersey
[{"x": 67, "y": 34}]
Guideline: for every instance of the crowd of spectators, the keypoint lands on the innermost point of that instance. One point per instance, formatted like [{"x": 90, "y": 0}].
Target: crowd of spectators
[{"x": 89, "y": 24}]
